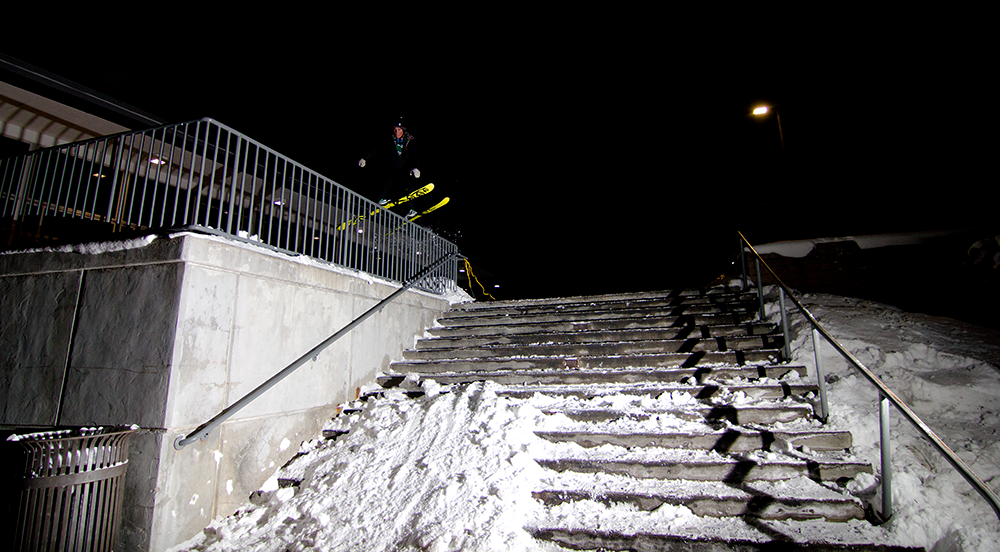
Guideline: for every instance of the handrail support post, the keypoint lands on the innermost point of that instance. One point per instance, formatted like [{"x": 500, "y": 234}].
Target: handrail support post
[
  {"x": 886, "y": 457},
  {"x": 824, "y": 406},
  {"x": 760, "y": 292},
  {"x": 786, "y": 348}
]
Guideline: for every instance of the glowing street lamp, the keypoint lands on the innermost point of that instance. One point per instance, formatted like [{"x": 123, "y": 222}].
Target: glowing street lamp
[{"x": 760, "y": 111}]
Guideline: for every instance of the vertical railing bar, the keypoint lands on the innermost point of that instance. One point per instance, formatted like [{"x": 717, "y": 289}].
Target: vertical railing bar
[
  {"x": 885, "y": 447},
  {"x": 115, "y": 213},
  {"x": 170, "y": 171},
  {"x": 309, "y": 224},
  {"x": 784, "y": 325},
  {"x": 116, "y": 199},
  {"x": 760, "y": 292},
  {"x": 224, "y": 146},
  {"x": 44, "y": 184},
  {"x": 128, "y": 206},
  {"x": 292, "y": 213},
  {"x": 63, "y": 185},
  {"x": 188, "y": 219},
  {"x": 327, "y": 216},
  {"x": 7, "y": 181},
  {"x": 270, "y": 207},
  {"x": 232, "y": 183},
  {"x": 251, "y": 229},
  {"x": 211, "y": 177},
  {"x": 89, "y": 204},
  {"x": 743, "y": 265},
  {"x": 156, "y": 181},
  {"x": 299, "y": 218},
  {"x": 74, "y": 154},
  {"x": 820, "y": 376}
]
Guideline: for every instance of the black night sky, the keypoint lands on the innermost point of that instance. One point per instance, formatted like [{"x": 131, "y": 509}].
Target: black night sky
[{"x": 585, "y": 154}]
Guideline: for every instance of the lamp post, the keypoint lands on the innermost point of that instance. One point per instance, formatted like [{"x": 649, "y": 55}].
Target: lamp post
[{"x": 761, "y": 111}]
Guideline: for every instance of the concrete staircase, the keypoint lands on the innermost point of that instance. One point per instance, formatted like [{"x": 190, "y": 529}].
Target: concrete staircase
[{"x": 676, "y": 398}]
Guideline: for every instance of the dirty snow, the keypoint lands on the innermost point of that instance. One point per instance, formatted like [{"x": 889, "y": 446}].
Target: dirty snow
[{"x": 454, "y": 470}]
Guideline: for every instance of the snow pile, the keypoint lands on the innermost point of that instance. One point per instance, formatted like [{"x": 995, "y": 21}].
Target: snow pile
[
  {"x": 454, "y": 470},
  {"x": 948, "y": 373},
  {"x": 446, "y": 472}
]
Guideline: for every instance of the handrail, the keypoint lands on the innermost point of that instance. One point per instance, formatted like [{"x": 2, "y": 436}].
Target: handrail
[
  {"x": 201, "y": 433},
  {"x": 887, "y": 396}
]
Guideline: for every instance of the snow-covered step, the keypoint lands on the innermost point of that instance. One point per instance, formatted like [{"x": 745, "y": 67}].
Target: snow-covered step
[
  {"x": 684, "y": 332},
  {"x": 754, "y": 390},
  {"x": 727, "y": 440},
  {"x": 719, "y": 291},
  {"x": 697, "y": 465},
  {"x": 592, "y": 314},
  {"x": 601, "y": 531},
  {"x": 647, "y": 346},
  {"x": 559, "y": 371},
  {"x": 743, "y": 414},
  {"x": 706, "y": 361},
  {"x": 508, "y": 327},
  {"x": 800, "y": 498},
  {"x": 728, "y": 300}
]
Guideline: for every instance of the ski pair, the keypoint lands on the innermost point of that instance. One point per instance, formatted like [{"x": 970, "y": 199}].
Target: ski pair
[
  {"x": 422, "y": 191},
  {"x": 436, "y": 206}
]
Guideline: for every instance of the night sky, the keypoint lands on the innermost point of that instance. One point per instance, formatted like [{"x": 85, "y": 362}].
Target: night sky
[{"x": 583, "y": 154}]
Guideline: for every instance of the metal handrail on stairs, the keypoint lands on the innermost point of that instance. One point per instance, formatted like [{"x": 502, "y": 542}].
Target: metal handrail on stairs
[
  {"x": 201, "y": 433},
  {"x": 886, "y": 395}
]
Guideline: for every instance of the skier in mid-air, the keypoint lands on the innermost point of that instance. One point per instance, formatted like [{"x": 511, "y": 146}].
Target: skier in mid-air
[{"x": 398, "y": 158}]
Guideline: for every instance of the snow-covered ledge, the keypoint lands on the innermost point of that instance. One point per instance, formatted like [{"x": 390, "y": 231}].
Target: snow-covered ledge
[{"x": 165, "y": 333}]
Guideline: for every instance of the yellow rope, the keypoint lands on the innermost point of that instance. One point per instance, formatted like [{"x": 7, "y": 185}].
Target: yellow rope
[{"x": 468, "y": 270}]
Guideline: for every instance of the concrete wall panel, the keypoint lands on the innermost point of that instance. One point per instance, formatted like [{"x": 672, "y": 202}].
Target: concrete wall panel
[{"x": 36, "y": 321}]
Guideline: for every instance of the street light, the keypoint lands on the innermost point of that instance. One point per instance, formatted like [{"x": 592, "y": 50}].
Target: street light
[{"x": 761, "y": 111}]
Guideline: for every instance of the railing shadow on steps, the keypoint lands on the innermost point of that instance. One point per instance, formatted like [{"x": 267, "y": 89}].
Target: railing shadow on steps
[
  {"x": 886, "y": 396},
  {"x": 202, "y": 431}
]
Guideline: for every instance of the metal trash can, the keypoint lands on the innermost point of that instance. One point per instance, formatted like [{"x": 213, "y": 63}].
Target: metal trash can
[{"x": 71, "y": 493}]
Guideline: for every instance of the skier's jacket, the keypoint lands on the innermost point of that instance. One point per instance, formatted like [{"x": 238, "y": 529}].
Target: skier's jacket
[{"x": 386, "y": 155}]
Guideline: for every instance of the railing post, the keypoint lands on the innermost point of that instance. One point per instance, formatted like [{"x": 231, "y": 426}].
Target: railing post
[
  {"x": 787, "y": 349},
  {"x": 743, "y": 265},
  {"x": 760, "y": 291},
  {"x": 824, "y": 407},
  {"x": 886, "y": 460}
]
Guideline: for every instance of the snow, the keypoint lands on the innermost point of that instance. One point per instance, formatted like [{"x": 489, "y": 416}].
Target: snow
[
  {"x": 802, "y": 248},
  {"x": 454, "y": 470}
]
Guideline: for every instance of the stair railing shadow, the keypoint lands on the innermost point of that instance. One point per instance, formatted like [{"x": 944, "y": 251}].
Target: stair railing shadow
[{"x": 886, "y": 396}]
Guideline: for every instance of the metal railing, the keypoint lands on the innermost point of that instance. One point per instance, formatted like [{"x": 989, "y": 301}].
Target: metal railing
[
  {"x": 204, "y": 175},
  {"x": 886, "y": 396},
  {"x": 202, "y": 431}
]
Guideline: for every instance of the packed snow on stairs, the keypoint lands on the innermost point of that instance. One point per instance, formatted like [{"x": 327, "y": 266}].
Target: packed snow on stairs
[{"x": 653, "y": 421}]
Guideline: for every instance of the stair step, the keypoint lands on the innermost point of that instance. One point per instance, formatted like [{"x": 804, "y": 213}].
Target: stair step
[
  {"x": 737, "y": 360},
  {"x": 727, "y": 300},
  {"x": 707, "y": 466},
  {"x": 590, "y": 315},
  {"x": 684, "y": 332},
  {"x": 796, "y": 499},
  {"x": 653, "y": 322},
  {"x": 720, "y": 291},
  {"x": 707, "y": 391},
  {"x": 704, "y": 539},
  {"x": 728, "y": 440},
  {"x": 536, "y": 371},
  {"x": 647, "y": 346},
  {"x": 745, "y": 414}
]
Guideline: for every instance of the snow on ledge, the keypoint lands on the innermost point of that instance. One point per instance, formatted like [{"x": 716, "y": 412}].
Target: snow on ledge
[{"x": 802, "y": 248}]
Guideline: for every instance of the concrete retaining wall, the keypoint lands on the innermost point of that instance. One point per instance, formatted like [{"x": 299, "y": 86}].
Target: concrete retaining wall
[{"x": 164, "y": 335}]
